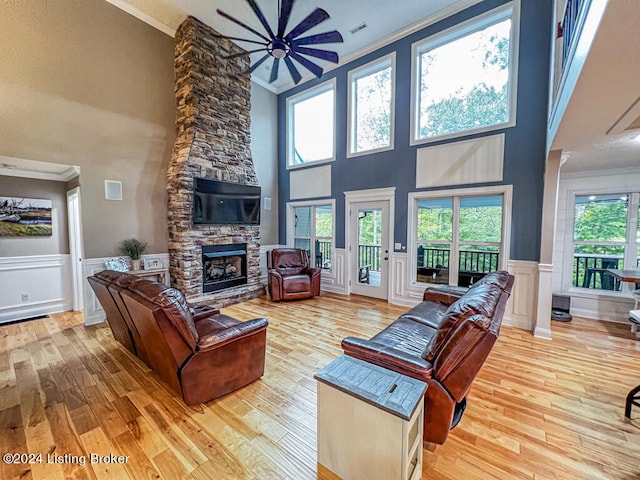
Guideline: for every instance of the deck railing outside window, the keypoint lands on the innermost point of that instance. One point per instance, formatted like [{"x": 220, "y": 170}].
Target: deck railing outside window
[{"x": 590, "y": 271}]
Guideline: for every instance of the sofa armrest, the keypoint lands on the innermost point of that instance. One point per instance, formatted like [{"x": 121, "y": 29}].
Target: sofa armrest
[
  {"x": 219, "y": 338},
  {"x": 274, "y": 284},
  {"x": 445, "y": 295},
  {"x": 388, "y": 357},
  {"x": 198, "y": 312}
]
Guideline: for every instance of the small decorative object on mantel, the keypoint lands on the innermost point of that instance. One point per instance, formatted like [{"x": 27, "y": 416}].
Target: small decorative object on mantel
[{"x": 134, "y": 248}]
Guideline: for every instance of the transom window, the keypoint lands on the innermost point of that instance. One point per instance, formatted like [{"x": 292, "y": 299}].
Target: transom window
[
  {"x": 312, "y": 230},
  {"x": 371, "y": 106},
  {"x": 311, "y": 125},
  {"x": 605, "y": 235},
  {"x": 459, "y": 238},
  {"x": 464, "y": 78}
]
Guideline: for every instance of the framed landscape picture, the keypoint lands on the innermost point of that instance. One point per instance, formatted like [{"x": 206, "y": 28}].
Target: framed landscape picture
[{"x": 25, "y": 217}]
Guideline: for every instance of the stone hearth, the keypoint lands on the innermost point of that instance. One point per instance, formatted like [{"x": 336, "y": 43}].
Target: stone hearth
[{"x": 213, "y": 142}]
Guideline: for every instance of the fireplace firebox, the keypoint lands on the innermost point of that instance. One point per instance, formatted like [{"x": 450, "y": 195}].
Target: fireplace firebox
[{"x": 223, "y": 266}]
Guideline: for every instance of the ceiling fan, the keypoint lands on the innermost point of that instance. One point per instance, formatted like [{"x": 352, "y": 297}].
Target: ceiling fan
[{"x": 289, "y": 46}]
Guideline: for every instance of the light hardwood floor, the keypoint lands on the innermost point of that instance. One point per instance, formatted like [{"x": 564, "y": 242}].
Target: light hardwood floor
[{"x": 538, "y": 410}]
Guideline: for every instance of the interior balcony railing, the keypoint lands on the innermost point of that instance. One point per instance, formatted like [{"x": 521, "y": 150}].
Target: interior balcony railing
[{"x": 567, "y": 28}]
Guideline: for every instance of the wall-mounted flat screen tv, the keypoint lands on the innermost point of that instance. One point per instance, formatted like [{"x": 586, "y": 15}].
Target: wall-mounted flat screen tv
[{"x": 223, "y": 203}]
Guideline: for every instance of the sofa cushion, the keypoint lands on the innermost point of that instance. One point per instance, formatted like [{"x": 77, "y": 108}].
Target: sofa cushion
[
  {"x": 408, "y": 336},
  {"x": 215, "y": 323},
  {"x": 289, "y": 261},
  {"x": 297, "y": 283},
  {"x": 501, "y": 279},
  {"x": 173, "y": 304},
  {"x": 479, "y": 300},
  {"x": 427, "y": 313}
]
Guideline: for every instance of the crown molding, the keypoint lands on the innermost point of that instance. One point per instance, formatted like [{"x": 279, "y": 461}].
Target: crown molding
[{"x": 140, "y": 15}]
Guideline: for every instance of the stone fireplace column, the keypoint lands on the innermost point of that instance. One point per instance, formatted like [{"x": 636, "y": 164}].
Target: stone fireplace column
[{"x": 213, "y": 141}]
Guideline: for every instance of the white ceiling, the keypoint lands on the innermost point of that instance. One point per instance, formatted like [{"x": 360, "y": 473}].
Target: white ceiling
[
  {"x": 19, "y": 167},
  {"x": 386, "y": 21},
  {"x": 601, "y": 121}
]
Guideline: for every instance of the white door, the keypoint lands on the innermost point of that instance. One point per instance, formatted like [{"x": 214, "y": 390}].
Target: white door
[
  {"x": 75, "y": 245},
  {"x": 369, "y": 248}
]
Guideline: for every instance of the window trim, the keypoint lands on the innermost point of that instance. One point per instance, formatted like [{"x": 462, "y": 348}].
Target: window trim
[
  {"x": 412, "y": 215},
  {"x": 367, "y": 69},
  {"x": 631, "y": 248},
  {"x": 511, "y": 9},
  {"x": 291, "y": 231},
  {"x": 302, "y": 96}
]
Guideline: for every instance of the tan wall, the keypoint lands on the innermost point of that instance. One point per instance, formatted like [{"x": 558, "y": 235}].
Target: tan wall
[
  {"x": 83, "y": 83},
  {"x": 58, "y": 242},
  {"x": 264, "y": 136}
]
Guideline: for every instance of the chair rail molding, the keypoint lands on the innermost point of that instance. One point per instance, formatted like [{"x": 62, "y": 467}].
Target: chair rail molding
[
  {"x": 93, "y": 312},
  {"x": 34, "y": 285}
]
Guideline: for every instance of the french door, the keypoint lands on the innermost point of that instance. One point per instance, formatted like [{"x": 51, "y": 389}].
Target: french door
[{"x": 369, "y": 248}]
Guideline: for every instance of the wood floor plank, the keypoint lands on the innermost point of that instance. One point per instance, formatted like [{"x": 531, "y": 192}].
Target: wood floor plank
[{"x": 538, "y": 410}]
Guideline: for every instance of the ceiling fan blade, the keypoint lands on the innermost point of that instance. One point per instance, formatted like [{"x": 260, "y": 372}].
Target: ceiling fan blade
[
  {"x": 314, "y": 18},
  {"x": 242, "y": 54},
  {"x": 316, "y": 52},
  {"x": 257, "y": 64},
  {"x": 327, "y": 37},
  {"x": 285, "y": 12},
  {"x": 241, "y": 39},
  {"x": 256, "y": 9},
  {"x": 308, "y": 64},
  {"x": 295, "y": 74},
  {"x": 243, "y": 25},
  {"x": 274, "y": 70}
]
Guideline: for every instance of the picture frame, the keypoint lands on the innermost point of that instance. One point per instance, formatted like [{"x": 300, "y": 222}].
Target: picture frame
[{"x": 152, "y": 263}]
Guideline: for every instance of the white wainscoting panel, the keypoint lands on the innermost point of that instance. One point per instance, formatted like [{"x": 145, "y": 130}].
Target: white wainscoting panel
[
  {"x": 542, "y": 328},
  {"x": 336, "y": 281},
  {"x": 521, "y": 308},
  {"x": 93, "y": 312},
  {"x": 477, "y": 160},
  {"x": 45, "y": 279},
  {"x": 310, "y": 183}
]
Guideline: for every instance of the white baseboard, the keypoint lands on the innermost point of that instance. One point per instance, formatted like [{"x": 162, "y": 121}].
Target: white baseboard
[{"x": 45, "y": 279}]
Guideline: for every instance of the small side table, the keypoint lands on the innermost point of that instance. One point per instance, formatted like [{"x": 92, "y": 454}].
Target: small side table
[
  {"x": 370, "y": 421},
  {"x": 162, "y": 274}
]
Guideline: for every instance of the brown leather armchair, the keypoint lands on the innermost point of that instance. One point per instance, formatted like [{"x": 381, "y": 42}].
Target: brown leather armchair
[
  {"x": 200, "y": 353},
  {"x": 290, "y": 276}
]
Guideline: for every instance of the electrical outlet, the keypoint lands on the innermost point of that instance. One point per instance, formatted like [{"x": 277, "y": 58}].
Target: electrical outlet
[{"x": 25, "y": 297}]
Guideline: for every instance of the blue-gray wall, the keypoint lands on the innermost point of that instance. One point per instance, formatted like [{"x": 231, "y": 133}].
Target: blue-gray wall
[{"x": 524, "y": 144}]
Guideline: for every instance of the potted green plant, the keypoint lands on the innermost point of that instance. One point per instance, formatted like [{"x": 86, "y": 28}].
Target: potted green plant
[{"x": 134, "y": 248}]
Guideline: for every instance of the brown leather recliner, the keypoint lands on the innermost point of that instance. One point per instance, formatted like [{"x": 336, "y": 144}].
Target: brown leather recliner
[
  {"x": 201, "y": 355},
  {"x": 100, "y": 283},
  {"x": 290, "y": 276},
  {"x": 443, "y": 341}
]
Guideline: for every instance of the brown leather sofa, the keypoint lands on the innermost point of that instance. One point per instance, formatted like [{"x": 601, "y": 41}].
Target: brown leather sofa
[
  {"x": 199, "y": 352},
  {"x": 444, "y": 342},
  {"x": 290, "y": 277}
]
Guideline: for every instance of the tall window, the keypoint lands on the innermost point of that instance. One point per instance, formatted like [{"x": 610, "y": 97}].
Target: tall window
[
  {"x": 459, "y": 239},
  {"x": 605, "y": 235},
  {"x": 371, "y": 102},
  {"x": 311, "y": 125},
  {"x": 464, "y": 78},
  {"x": 313, "y": 232}
]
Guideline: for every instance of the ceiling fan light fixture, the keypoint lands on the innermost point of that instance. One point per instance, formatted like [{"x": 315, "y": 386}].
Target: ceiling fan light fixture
[
  {"x": 278, "y": 48},
  {"x": 287, "y": 46}
]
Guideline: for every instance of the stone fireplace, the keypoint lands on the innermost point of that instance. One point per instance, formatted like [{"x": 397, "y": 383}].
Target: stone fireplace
[{"x": 212, "y": 142}]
